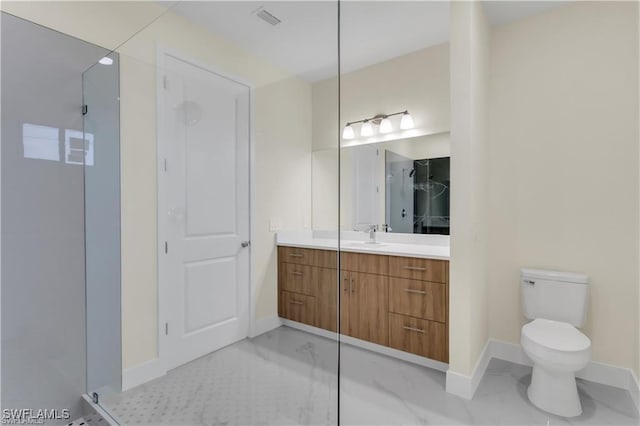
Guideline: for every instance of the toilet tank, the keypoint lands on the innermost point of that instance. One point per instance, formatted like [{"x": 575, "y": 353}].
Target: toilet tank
[{"x": 558, "y": 296}]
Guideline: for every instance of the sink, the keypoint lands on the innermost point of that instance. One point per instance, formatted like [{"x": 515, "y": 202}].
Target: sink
[{"x": 364, "y": 245}]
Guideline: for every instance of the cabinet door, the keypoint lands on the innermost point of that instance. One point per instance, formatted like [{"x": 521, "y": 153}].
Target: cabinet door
[
  {"x": 345, "y": 279},
  {"x": 368, "y": 307},
  {"x": 325, "y": 281}
]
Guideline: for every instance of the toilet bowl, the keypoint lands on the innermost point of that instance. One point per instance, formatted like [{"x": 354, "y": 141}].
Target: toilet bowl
[{"x": 558, "y": 350}]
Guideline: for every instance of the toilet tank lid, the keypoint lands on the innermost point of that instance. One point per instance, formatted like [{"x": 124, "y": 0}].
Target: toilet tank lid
[{"x": 541, "y": 274}]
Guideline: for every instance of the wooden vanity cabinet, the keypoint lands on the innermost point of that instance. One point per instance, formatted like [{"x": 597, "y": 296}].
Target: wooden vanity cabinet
[
  {"x": 308, "y": 286},
  {"x": 394, "y": 301}
]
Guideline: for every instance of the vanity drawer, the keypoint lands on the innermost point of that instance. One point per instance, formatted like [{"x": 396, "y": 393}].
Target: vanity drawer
[
  {"x": 418, "y": 336},
  {"x": 304, "y": 256},
  {"x": 418, "y": 269},
  {"x": 419, "y": 299},
  {"x": 300, "y": 256},
  {"x": 298, "y": 307},
  {"x": 297, "y": 278},
  {"x": 367, "y": 263}
]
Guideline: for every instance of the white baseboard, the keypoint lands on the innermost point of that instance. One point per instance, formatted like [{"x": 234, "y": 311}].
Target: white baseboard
[
  {"x": 265, "y": 325},
  {"x": 142, "y": 373},
  {"x": 384, "y": 350},
  {"x": 634, "y": 389},
  {"x": 466, "y": 386},
  {"x": 619, "y": 377},
  {"x": 154, "y": 368}
]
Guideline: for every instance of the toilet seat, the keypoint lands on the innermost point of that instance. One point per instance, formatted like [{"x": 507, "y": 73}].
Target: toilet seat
[
  {"x": 556, "y": 335},
  {"x": 559, "y": 345}
]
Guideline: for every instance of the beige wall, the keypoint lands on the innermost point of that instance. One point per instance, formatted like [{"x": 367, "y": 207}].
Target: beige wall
[
  {"x": 418, "y": 82},
  {"x": 282, "y": 106},
  {"x": 563, "y": 166},
  {"x": 468, "y": 329}
]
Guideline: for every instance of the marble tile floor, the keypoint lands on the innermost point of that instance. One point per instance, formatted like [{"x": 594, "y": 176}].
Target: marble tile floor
[{"x": 289, "y": 377}]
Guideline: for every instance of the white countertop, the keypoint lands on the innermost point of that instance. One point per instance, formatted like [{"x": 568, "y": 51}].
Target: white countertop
[{"x": 406, "y": 245}]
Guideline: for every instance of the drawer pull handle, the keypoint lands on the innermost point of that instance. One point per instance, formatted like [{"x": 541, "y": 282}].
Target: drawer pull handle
[
  {"x": 297, "y": 273},
  {"x": 296, "y": 302},
  {"x": 408, "y": 290},
  {"x": 295, "y": 255},
  {"x": 413, "y": 329},
  {"x": 415, "y": 268}
]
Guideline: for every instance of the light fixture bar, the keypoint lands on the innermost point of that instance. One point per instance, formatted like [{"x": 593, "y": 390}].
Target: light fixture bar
[{"x": 377, "y": 118}]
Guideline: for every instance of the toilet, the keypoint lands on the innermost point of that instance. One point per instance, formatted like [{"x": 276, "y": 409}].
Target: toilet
[{"x": 556, "y": 304}]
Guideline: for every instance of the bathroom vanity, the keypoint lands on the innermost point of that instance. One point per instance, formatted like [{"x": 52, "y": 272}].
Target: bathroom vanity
[{"x": 387, "y": 296}]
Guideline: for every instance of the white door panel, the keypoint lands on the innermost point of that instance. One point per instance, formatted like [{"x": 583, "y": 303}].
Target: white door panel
[{"x": 206, "y": 142}]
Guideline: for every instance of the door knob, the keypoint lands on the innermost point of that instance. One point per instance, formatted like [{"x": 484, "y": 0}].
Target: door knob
[{"x": 245, "y": 244}]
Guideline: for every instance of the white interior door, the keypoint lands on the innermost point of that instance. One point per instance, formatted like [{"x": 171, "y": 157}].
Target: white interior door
[{"x": 205, "y": 192}]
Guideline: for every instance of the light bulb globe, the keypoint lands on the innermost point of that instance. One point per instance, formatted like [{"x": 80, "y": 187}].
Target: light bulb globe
[
  {"x": 348, "y": 132},
  {"x": 406, "y": 122},
  {"x": 385, "y": 126}
]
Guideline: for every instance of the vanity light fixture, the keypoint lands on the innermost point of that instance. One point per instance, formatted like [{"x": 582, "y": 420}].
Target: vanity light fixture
[
  {"x": 366, "y": 129},
  {"x": 385, "y": 125},
  {"x": 380, "y": 120},
  {"x": 406, "y": 122},
  {"x": 348, "y": 132}
]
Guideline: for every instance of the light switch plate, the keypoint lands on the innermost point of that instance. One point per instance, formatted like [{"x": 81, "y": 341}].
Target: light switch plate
[{"x": 275, "y": 224}]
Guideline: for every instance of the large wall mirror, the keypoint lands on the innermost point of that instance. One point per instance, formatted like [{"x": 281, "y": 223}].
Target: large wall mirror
[{"x": 402, "y": 185}]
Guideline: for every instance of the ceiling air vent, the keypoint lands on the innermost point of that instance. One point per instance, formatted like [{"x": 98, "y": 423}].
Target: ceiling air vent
[{"x": 267, "y": 17}]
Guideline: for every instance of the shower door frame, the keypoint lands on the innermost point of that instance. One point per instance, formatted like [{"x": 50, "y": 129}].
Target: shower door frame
[{"x": 162, "y": 285}]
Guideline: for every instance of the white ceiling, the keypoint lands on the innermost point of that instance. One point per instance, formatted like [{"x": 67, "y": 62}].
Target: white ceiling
[{"x": 305, "y": 43}]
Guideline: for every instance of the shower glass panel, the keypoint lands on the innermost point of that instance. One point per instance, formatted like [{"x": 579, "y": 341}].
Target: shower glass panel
[
  {"x": 43, "y": 247},
  {"x": 97, "y": 149},
  {"x": 394, "y": 106},
  {"x": 229, "y": 215}
]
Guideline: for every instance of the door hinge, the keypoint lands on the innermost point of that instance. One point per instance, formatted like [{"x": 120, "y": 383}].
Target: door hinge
[
  {"x": 166, "y": 328},
  {"x": 165, "y": 164},
  {"x": 85, "y": 109},
  {"x": 164, "y": 81},
  {"x": 166, "y": 247}
]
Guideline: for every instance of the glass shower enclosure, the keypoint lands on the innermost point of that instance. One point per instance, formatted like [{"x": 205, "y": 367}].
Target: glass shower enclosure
[{"x": 97, "y": 149}]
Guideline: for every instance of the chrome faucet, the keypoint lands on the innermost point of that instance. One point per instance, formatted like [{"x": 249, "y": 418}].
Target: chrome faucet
[{"x": 372, "y": 233}]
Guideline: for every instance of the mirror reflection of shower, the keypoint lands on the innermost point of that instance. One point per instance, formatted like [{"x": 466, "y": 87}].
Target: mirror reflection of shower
[
  {"x": 431, "y": 189},
  {"x": 417, "y": 194}
]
